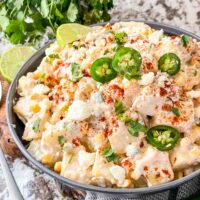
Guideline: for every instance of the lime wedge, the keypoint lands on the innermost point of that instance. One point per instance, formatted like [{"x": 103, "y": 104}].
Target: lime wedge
[
  {"x": 68, "y": 33},
  {"x": 13, "y": 59}
]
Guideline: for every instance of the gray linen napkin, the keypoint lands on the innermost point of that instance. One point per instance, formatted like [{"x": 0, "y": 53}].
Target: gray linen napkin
[{"x": 188, "y": 189}]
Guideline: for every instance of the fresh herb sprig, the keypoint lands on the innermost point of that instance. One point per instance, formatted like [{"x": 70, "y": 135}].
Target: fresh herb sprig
[
  {"x": 25, "y": 21},
  {"x": 110, "y": 155}
]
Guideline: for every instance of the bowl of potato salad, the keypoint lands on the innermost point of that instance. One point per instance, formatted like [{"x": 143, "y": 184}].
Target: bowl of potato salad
[{"x": 117, "y": 111}]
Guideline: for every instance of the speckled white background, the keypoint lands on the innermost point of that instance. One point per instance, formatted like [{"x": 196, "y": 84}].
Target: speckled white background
[{"x": 180, "y": 13}]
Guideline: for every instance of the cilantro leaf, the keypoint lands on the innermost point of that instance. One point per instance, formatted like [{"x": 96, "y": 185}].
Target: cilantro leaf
[
  {"x": 72, "y": 12},
  {"x": 110, "y": 155},
  {"x": 43, "y": 76},
  {"x": 135, "y": 127},
  {"x": 76, "y": 72},
  {"x": 44, "y": 8},
  {"x": 53, "y": 55},
  {"x": 17, "y": 38},
  {"x": 18, "y": 4},
  {"x": 119, "y": 37},
  {"x": 4, "y": 21},
  {"x": 119, "y": 108},
  {"x": 61, "y": 139},
  {"x": 175, "y": 111},
  {"x": 185, "y": 40},
  {"x": 36, "y": 125}
]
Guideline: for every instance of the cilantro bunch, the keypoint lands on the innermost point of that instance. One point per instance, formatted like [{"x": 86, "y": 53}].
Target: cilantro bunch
[{"x": 25, "y": 21}]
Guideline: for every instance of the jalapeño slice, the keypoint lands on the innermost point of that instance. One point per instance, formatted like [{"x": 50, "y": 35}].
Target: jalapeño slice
[
  {"x": 102, "y": 70},
  {"x": 127, "y": 62},
  {"x": 163, "y": 137},
  {"x": 169, "y": 63}
]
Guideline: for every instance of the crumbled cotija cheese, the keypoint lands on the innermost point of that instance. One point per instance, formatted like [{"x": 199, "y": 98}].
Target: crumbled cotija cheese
[
  {"x": 118, "y": 173},
  {"x": 147, "y": 78}
]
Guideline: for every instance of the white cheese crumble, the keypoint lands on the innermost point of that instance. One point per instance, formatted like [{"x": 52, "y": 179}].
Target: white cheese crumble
[
  {"x": 193, "y": 94},
  {"x": 40, "y": 89},
  {"x": 97, "y": 96},
  {"x": 79, "y": 110},
  {"x": 155, "y": 37},
  {"x": 162, "y": 77},
  {"x": 86, "y": 159},
  {"x": 147, "y": 78},
  {"x": 118, "y": 173},
  {"x": 131, "y": 151}
]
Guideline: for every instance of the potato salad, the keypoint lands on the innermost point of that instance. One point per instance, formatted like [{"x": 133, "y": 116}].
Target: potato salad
[{"x": 117, "y": 108}]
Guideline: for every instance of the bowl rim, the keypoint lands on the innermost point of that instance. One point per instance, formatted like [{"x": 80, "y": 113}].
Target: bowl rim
[{"x": 75, "y": 184}]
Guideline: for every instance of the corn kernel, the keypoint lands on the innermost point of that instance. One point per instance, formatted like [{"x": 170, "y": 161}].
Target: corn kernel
[
  {"x": 195, "y": 152},
  {"x": 34, "y": 96},
  {"x": 58, "y": 166},
  {"x": 71, "y": 95},
  {"x": 46, "y": 159},
  {"x": 35, "y": 108}
]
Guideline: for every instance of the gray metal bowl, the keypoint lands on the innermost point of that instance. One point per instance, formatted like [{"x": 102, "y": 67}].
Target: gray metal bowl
[{"x": 16, "y": 128}]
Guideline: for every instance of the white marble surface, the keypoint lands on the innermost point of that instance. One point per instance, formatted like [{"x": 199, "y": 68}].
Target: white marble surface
[{"x": 180, "y": 13}]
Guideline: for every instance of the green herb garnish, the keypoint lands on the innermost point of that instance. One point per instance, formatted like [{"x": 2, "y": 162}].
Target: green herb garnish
[
  {"x": 48, "y": 60},
  {"x": 119, "y": 108},
  {"x": 61, "y": 139},
  {"x": 53, "y": 55},
  {"x": 185, "y": 40},
  {"x": 70, "y": 158},
  {"x": 36, "y": 125},
  {"x": 119, "y": 37},
  {"x": 175, "y": 111},
  {"x": 43, "y": 76},
  {"x": 76, "y": 72},
  {"x": 135, "y": 127},
  {"x": 110, "y": 155},
  {"x": 26, "y": 21}
]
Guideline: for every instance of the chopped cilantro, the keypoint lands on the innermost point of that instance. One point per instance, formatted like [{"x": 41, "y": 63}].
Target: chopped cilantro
[
  {"x": 53, "y": 55},
  {"x": 195, "y": 73},
  {"x": 119, "y": 108},
  {"x": 185, "y": 40},
  {"x": 36, "y": 125},
  {"x": 76, "y": 72},
  {"x": 175, "y": 111},
  {"x": 137, "y": 77},
  {"x": 43, "y": 76},
  {"x": 47, "y": 60},
  {"x": 110, "y": 155},
  {"x": 70, "y": 158},
  {"x": 119, "y": 37},
  {"x": 61, "y": 139},
  {"x": 135, "y": 127}
]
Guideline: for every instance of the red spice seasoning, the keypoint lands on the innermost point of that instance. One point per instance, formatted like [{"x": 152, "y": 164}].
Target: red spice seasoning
[
  {"x": 76, "y": 142},
  {"x": 163, "y": 92},
  {"x": 166, "y": 172}
]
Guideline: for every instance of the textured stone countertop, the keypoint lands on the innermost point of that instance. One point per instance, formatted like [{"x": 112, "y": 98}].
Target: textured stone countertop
[{"x": 180, "y": 13}]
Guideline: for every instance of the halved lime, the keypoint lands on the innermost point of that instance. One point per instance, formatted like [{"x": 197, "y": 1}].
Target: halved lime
[
  {"x": 68, "y": 33},
  {"x": 13, "y": 59}
]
